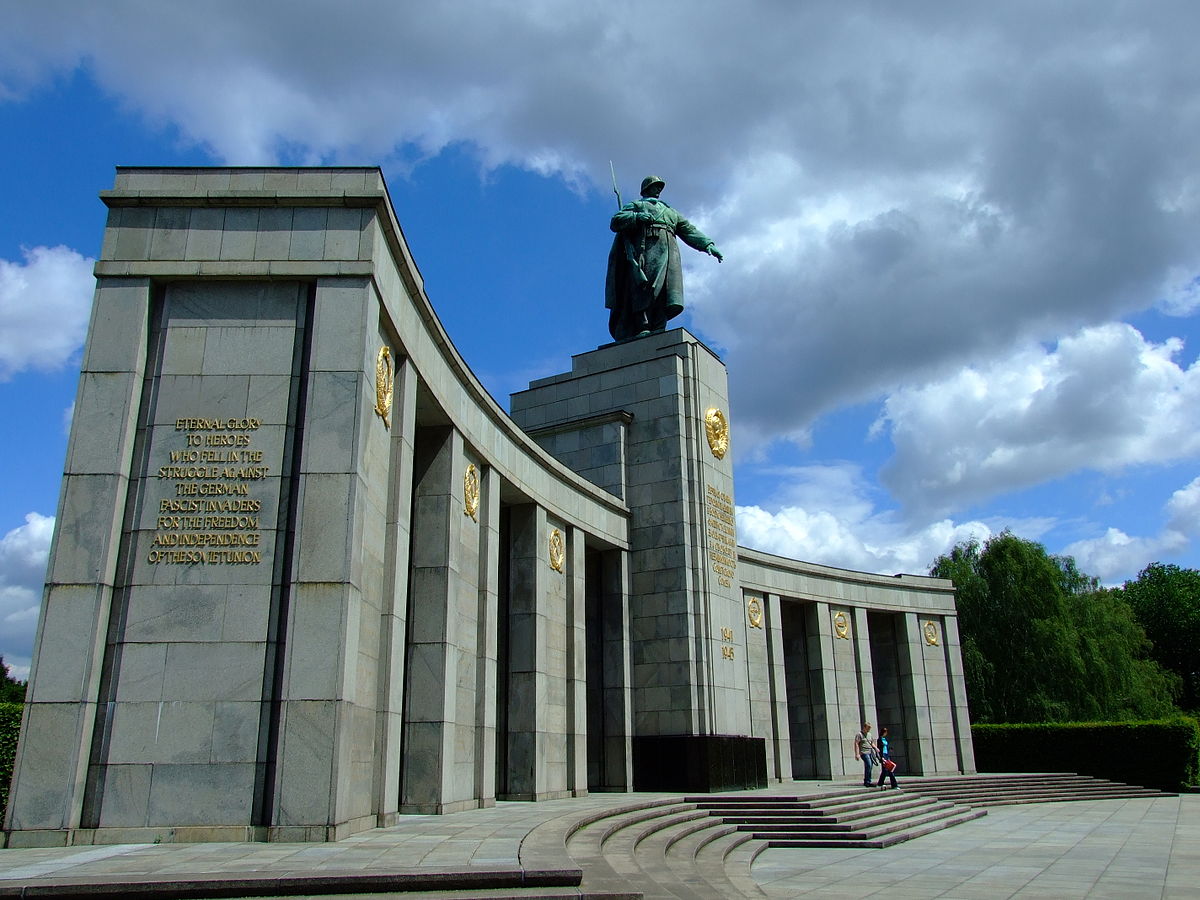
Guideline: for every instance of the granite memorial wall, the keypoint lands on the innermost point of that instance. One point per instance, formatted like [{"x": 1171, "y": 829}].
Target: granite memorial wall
[{"x": 307, "y": 576}]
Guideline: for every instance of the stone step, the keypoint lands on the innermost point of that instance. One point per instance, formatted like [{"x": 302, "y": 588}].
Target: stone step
[
  {"x": 767, "y": 818},
  {"x": 883, "y": 815},
  {"x": 413, "y": 883},
  {"x": 702, "y": 846},
  {"x": 603, "y": 846},
  {"x": 839, "y": 818},
  {"x": 889, "y": 801},
  {"x": 1062, "y": 797},
  {"x": 884, "y": 838},
  {"x": 699, "y": 857},
  {"x": 1036, "y": 782},
  {"x": 712, "y": 861},
  {"x": 865, "y": 804},
  {"x": 739, "y": 863},
  {"x": 1018, "y": 785},
  {"x": 682, "y": 877},
  {"x": 629, "y": 850},
  {"x": 551, "y": 840},
  {"x": 853, "y": 834},
  {"x": 758, "y": 798},
  {"x": 839, "y": 805},
  {"x": 1046, "y": 790},
  {"x": 1009, "y": 789},
  {"x": 531, "y": 894}
]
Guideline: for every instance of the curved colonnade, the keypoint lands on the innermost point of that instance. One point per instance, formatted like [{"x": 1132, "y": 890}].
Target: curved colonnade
[{"x": 308, "y": 576}]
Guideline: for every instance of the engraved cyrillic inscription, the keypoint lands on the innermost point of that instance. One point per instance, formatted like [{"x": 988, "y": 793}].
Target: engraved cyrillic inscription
[{"x": 722, "y": 535}]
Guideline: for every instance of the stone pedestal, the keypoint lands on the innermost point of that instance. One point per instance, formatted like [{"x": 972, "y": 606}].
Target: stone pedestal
[{"x": 648, "y": 421}]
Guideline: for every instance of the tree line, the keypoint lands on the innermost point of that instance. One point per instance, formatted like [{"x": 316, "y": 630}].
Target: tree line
[{"x": 1044, "y": 642}]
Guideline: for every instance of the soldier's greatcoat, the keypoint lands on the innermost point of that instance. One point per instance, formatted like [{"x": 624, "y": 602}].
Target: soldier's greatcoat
[{"x": 644, "y": 287}]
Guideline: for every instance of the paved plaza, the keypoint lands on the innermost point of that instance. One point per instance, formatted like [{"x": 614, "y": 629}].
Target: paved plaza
[
  {"x": 1106, "y": 848},
  {"x": 1099, "y": 848}
]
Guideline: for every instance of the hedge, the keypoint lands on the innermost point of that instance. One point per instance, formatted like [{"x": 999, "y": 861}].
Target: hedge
[
  {"x": 1163, "y": 755},
  {"x": 10, "y": 728}
]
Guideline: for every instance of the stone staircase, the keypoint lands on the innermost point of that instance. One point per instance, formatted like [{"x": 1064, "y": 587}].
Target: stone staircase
[
  {"x": 704, "y": 846},
  {"x": 853, "y": 818},
  {"x": 1025, "y": 787}
]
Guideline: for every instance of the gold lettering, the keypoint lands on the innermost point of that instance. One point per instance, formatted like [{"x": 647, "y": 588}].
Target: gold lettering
[
  {"x": 197, "y": 424},
  {"x": 216, "y": 485}
]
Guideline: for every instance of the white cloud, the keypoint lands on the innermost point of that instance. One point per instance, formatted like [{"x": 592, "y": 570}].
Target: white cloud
[
  {"x": 1115, "y": 556},
  {"x": 1183, "y": 510},
  {"x": 826, "y": 514},
  {"x": 1104, "y": 398},
  {"x": 900, "y": 188},
  {"x": 44, "y": 306},
  {"x": 23, "y": 554},
  {"x": 1181, "y": 296},
  {"x": 907, "y": 194}
]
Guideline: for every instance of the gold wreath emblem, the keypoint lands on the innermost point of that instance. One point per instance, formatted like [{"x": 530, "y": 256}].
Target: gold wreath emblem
[
  {"x": 558, "y": 550},
  {"x": 471, "y": 492},
  {"x": 931, "y": 634},
  {"x": 383, "y": 385},
  {"x": 754, "y": 612},
  {"x": 841, "y": 625},
  {"x": 717, "y": 430}
]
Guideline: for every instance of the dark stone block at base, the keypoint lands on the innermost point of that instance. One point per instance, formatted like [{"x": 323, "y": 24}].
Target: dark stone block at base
[{"x": 699, "y": 763}]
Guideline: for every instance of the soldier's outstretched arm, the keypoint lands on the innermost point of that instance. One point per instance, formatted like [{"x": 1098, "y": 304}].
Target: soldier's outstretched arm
[{"x": 697, "y": 239}]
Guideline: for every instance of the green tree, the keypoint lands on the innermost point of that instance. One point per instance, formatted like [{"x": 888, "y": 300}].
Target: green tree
[
  {"x": 11, "y": 690},
  {"x": 1042, "y": 643},
  {"x": 1166, "y": 601}
]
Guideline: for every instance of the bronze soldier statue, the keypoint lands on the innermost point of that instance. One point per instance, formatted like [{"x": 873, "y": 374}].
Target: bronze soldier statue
[{"x": 644, "y": 287}]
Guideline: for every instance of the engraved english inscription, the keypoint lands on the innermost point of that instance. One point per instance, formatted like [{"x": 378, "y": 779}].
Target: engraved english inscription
[{"x": 214, "y": 516}]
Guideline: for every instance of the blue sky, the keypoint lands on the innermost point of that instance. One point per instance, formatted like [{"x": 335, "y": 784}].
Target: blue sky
[{"x": 960, "y": 289}]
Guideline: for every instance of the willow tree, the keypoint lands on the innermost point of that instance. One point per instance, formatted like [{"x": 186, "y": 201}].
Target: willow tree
[
  {"x": 1043, "y": 643},
  {"x": 1165, "y": 599}
]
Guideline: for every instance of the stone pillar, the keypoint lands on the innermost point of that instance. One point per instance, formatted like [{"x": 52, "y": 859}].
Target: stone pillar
[
  {"x": 616, "y": 752},
  {"x": 687, "y": 623},
  {"x": 488, "y": 632},
  {"x": 958, "y": 695},
  {"x": 528, "y": 684},
  {"x": 943, "y": 726},
  {"x": 767, "y": 682},
  {"x": 914, "y": 692},
  {"x": 390, "y": 714},
  {"x": 52, "y": 761},
  {"x": 864, "y": 665},
  {"x": 576, "y": 663},
  {"x": 326, "y": 784},
  {"x": 440, "y": 712},
  {"x": 187, "y": 715},
  {"x": 828, "y": 739},
  {"x": 780, "y": 759}
]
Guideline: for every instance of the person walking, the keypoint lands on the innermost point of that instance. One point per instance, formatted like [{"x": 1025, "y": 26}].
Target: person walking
[
  {"x": 885, "y": 757},
  {"x": 864, "y": 749}
]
